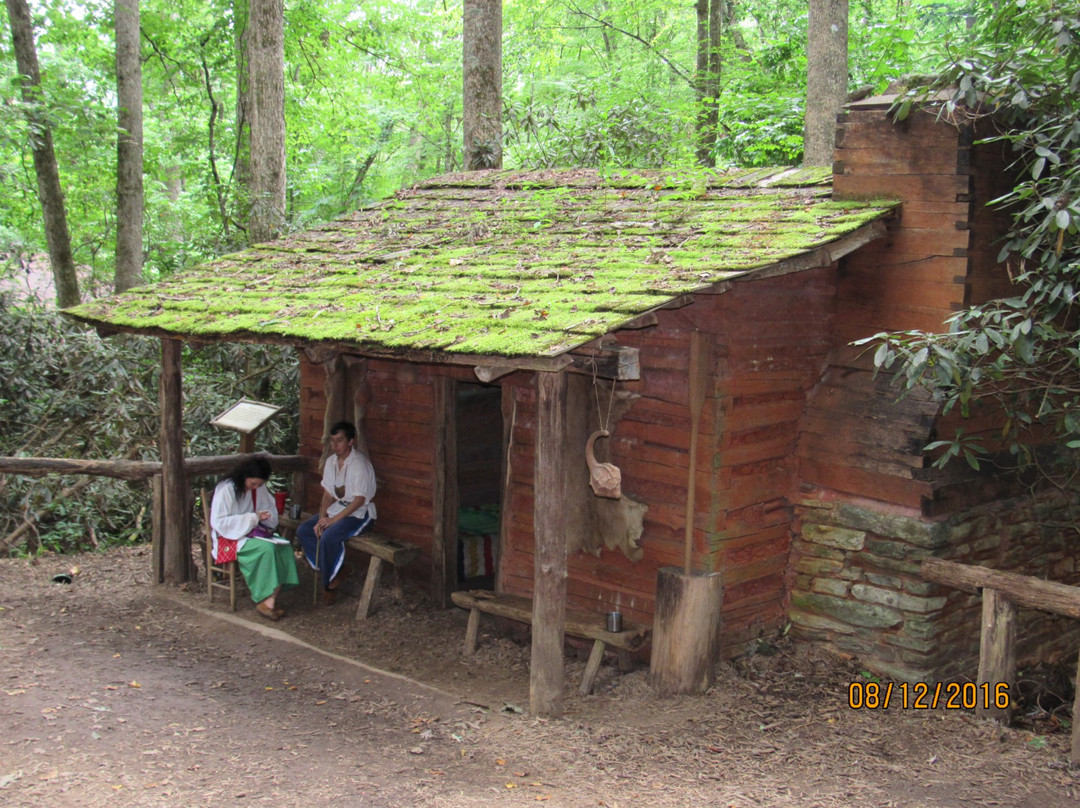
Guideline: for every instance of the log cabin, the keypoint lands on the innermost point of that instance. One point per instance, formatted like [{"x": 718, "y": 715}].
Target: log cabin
[{"x": 480, "y": 328}]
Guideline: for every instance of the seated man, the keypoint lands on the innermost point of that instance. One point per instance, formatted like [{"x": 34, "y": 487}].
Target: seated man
[{"x": 348, "y": 484}]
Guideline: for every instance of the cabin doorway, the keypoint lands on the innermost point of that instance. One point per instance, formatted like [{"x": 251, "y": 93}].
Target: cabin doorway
[{"x": 478, "y": 426}]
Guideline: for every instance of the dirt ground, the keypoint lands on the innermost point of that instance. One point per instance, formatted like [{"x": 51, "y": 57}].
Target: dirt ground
[{"x": 115, "y": 692}]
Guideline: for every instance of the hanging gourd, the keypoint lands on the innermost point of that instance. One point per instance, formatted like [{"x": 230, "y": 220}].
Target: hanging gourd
[{"x": 605, "y": 479}]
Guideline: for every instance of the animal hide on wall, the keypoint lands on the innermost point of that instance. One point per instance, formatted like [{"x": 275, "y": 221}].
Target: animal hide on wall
[{"x": 619, "y": 525}]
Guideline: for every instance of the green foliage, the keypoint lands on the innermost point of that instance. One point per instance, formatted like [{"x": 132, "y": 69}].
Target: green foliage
[
  {"x": 68, "y": 393},
  {"x": 760, "y": 130},
  {"x": 1020, "y": 353},
  {"x": 373, "y": 103}
]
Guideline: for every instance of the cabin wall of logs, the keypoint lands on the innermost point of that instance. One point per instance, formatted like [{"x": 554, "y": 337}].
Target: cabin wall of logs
[
  {"x": 765, "y": 344},
  {"x": 812, "y": 494},
  {"x": 394, "y": 406},
  {"x": 871, "y": 506}
]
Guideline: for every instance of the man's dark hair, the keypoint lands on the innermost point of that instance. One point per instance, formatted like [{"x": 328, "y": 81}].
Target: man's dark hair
[{"x": 345, "y": 428}]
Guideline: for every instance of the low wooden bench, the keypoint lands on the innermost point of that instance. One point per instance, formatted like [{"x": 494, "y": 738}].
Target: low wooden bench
[
  {"x": 586, "y": 625},
  {"x": 381, "y": 549}
]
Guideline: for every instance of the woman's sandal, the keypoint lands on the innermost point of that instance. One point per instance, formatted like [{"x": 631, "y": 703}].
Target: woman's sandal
[{"x": 268, "y": 613}]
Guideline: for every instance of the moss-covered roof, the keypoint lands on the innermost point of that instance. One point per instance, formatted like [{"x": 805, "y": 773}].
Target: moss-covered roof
[{"x": 498, "y": 263}]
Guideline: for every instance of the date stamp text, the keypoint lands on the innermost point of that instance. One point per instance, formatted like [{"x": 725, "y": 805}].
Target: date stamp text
[{"x": 922, "y": 696}]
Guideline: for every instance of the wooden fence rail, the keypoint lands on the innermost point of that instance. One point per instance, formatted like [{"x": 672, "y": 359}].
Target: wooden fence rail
[
  {"x": 141, "y": 469},
  {"x": 1002, "y": 593}
]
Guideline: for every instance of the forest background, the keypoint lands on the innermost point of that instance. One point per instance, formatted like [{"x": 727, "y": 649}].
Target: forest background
[{"x": 373, "y": 103}]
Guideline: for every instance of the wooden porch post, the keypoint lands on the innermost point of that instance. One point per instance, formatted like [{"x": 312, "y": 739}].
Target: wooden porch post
[
  {"x": 549, "y": 559},
  {"x": 444, "y": 495},
  {"x": 176, "y": 518}
]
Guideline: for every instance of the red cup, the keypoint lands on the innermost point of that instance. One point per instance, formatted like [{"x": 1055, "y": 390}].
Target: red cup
[{"x": 279, "y": 500}]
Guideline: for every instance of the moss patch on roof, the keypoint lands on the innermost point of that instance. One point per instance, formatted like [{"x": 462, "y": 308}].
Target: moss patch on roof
[{"x": 503, "y": 263}]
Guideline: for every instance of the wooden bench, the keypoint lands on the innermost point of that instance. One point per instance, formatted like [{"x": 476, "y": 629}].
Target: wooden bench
[
  {"x": 381, "y": 549},
  {"x": 586, "y": 625}
]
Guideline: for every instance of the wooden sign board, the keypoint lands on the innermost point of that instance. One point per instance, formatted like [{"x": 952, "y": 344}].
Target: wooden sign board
[{"x": 246, "y": 416}]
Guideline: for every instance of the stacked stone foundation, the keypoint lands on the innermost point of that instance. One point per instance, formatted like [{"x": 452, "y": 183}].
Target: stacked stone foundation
[{"x": 856, "y": 586}]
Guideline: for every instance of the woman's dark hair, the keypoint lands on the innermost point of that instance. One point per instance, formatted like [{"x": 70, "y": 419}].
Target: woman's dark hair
[{"x": 257, "y": 467}]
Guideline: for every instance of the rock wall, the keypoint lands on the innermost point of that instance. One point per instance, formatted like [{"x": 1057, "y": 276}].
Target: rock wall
[{"x": 856, "y": 585}]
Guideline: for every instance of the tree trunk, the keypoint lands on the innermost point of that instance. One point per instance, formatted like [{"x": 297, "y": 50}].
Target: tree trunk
[
  {"x": 241, "y": 175},
  {"x": 482, "y": 50},
  {"x": 129, "y": 147},
  {"x": 826, "y": 78},
  {"x": 707, "y": 77},
  {"x": 266, "y": 80},
  {"x": 48, "y": 174}
]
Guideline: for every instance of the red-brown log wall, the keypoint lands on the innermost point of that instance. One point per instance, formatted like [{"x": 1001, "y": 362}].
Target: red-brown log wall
[
  {"x": 860, "y": 442},
  {"x": 767, "y": 342},
  {"x": 400, "y": 432}
]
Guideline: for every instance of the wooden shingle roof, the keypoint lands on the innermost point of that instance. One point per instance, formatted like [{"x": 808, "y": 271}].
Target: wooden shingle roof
[{"x": 504, "y": 263}]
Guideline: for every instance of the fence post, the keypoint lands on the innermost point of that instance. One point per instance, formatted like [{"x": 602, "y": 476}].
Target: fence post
[
  {"x": 997, "y": 653},
  {"x": 1074, "y": 756}
]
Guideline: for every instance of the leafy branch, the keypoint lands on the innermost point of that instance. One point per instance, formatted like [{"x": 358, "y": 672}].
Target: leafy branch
[{"x": 1019, "y": 354}]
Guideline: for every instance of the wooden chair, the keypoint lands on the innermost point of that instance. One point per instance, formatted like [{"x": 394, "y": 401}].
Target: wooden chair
[{"x": 218, "y": 576}]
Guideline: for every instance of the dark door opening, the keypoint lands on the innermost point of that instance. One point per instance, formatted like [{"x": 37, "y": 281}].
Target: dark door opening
[{"x": 479, "y": 426}]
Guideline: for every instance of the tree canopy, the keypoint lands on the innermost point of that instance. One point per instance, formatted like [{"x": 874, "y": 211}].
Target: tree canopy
[{"x": 373, "y": 102}]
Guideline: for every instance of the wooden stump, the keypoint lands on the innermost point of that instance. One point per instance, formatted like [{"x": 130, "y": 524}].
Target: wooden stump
[{"x": 686, "y": 631}]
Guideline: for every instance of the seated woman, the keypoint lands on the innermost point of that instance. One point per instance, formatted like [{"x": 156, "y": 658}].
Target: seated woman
[{"x": 242, "y": 521}]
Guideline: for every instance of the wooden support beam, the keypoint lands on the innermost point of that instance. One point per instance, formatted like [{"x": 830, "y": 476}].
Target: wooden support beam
[
  {"x": 997, "y": 653},
  {"x": 489, "y": 368},
  {"x": 176, "y": 521},
  {"x": 444, "y": 493},
  {"x": 616, "y": 362},
  {"x": 549, "y": 554}
]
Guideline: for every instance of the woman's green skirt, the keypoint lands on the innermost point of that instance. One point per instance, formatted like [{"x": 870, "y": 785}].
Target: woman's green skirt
[{"x": 266, "y": 566}]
